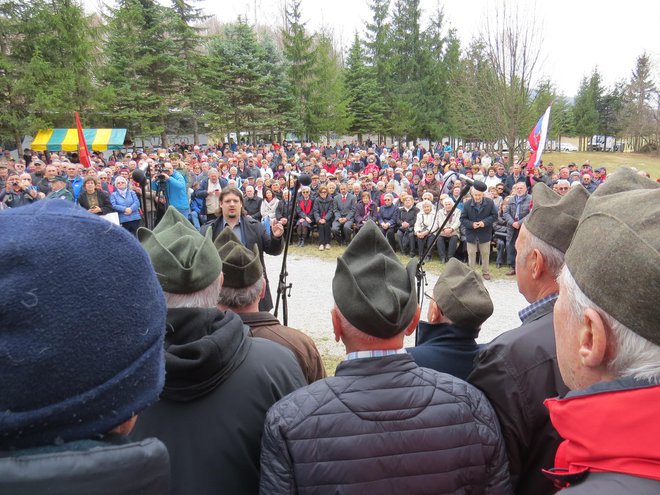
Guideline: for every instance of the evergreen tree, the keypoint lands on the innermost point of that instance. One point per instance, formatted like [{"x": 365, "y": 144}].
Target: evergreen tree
[
  {"x": 378, "y": 54},
  {"x": 301, "y": 60},
  {"x": 406, "y": 69},
  {"x": 585, "y": 108},
  {"x": 192, "y": 93},
  {"x": 245, "y": 79},
  {"x": 141, "y": 68},
  {"x": 47, "y": 62},
  {"x": 329, "y": 107},
  {"x": 361, "y": 92},
  {"x": 639, "y": 112}
]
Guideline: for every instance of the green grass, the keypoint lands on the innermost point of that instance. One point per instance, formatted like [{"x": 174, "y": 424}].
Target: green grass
[
  {"x": 611, "y": 161},
  {"x": 330, "y": 362},
  {"x": 311, "y": 250}
]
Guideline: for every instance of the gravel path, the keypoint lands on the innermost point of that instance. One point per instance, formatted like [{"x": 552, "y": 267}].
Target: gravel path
[{"x": 311, "y": 301}]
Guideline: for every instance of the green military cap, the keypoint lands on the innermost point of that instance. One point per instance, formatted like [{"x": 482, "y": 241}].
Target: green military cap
[
  {"x": 240, "y": 266},
  {"x": 184, "y": 260},
  {"x": 554, "y": 218},
  {"x": 461, "y": 295},
  {"x": 371, "y": 288},
  {"x": 614, "y": 255}
]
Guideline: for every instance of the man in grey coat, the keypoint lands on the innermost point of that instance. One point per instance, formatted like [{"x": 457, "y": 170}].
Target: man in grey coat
[
  {"x": 514, "y": 214},
  {"x": 382, "y": 424},
  {"x": 518, "y": 370}
]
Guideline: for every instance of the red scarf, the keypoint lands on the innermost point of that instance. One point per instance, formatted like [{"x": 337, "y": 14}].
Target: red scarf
[
  {"x": 306, "y": 206},
  {"x": 613, "y": 431}
]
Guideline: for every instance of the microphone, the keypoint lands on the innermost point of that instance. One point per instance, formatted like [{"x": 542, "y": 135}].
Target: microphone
[
  {"x": 304, "y": 179},
  {"x": 477, "y": 184}
]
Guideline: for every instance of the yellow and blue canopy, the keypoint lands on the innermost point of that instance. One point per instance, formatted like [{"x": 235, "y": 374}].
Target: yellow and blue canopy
[{"x": 67, "y": 139}]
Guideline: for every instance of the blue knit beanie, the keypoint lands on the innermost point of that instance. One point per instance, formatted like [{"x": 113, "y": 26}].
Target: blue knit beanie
[{"x": 82, "y": 324}]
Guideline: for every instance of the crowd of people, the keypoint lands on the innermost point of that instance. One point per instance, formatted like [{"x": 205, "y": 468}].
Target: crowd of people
[
  {"x": 409, "y": 192},
  {"x": 142, "y": 361}
]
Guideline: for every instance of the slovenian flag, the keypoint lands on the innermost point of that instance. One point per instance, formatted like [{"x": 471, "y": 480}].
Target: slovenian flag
[{"x": 537, "y": 140}]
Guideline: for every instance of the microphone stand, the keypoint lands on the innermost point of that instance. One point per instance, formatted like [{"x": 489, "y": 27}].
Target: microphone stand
[
  {"x": 282, "y": 285},
  {"x": 420, "y": 274}
]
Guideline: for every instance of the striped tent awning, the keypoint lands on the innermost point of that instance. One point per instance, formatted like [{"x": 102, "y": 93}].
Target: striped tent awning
[{"x": 67, "y": 139}]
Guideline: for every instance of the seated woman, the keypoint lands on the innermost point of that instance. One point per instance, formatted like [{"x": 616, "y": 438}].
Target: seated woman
[
  {"x": 94, "y": 199},
  {"x": 269, "y": 206},
  {"x": 304, "y": 215},
  {"x": 450, "y": 233},
  {"x": 500, "y": 233},
  {"x": 323, "y": 217},
  {"x": 365, "y": 210},
  {"x": 425, "y": 225}
]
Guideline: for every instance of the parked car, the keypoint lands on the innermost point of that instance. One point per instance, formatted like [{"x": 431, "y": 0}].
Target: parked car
[{"x": 566, "y": 147}]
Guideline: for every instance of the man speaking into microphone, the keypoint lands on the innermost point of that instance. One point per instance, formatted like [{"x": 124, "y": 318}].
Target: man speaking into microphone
[{"x": 250, "y": 232}]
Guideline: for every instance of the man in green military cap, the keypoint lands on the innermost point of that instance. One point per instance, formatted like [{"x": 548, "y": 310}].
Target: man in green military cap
[
  {"x": 608, "y": 343},
  {"x": 382, "y": 424},
  {"x": 58, "y": 189},
  {"x": 219, "y": 381},
  {"x": 243, "y": 287},
  {"x": 518, "y": 369},
  {"x": 459, "y": 306}
]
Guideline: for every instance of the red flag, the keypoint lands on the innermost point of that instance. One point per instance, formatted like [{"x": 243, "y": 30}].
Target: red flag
[{"x": 83, "y": 151}]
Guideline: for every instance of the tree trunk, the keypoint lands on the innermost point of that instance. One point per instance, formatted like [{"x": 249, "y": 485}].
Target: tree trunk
[
  {"x": 19, "y": 145},
  {"x": 195, "y": 131}
]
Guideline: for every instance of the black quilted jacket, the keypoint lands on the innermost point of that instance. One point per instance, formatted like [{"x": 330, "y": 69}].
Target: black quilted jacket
[{"x": 384, "y": 426}]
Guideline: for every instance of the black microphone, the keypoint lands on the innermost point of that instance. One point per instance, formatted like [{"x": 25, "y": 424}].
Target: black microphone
[
  {"x": 477, "y": 184},
  {"x": 304, "y": 179}
]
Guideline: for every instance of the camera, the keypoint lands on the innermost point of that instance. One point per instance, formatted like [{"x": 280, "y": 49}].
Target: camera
[
  {"x": 14, "y": 183},
  {"x": 159, "y": 171}
]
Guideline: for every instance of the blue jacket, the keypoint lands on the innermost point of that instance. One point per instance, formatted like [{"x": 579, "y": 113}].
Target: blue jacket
[
  {"x": 446, "y": 348},
  {"x": 75, "y": 186},
  {"x": 119, "y": 204},
  {"x": 176, "y": 189}
]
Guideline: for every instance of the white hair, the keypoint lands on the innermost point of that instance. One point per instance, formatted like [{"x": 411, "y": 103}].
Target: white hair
[
  {"x": 205, "y": 298},
  {"x": 240, "y": 297},
  {"x": 635, "y": 357},
  {"x": 553, "y": 257}
]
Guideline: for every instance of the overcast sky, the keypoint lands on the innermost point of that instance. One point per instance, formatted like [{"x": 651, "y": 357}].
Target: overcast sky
[{"x": 577, "y": 34}]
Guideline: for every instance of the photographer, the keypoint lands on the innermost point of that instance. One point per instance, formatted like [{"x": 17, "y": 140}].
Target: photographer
[
  {"x": 17, "y": 192},
  {"x": 173, "y": 184}
]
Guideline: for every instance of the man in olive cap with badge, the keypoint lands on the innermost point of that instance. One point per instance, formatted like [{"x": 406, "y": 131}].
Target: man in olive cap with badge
[
  {"x": 518, "y": 369},
  {"x": 219, "y": 381},
  {"x": 459, "y": 306},
  {"x": 382, "y": 424},
  {"x": 243, "y": 287},
  {"x": 608, "y": 344}
]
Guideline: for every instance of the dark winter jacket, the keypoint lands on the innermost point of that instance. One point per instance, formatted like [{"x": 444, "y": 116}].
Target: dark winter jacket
[
  {"x": 472, "y": 212},
  {"x": 219, "y": 383},
  {"x": 264, "y": 325},
  {"x": 383, "y": 426},
  {"x": 112, "y": 466},
  {"x": 446, "y": 348},
  {"x": 517, "y": 371},
  {"x": 253, "y": 232},
  {"x": 409, "y": 216},
  {"x": 253, "y": 206},
  {"x": 323, "y": 209},
  {"x": 103, "y": 200}
]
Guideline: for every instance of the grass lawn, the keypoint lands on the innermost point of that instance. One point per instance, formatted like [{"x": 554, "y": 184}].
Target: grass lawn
[{"x": 611, "y": 161}]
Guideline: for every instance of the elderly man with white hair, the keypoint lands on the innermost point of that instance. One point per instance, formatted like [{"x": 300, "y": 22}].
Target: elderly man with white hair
[
  {"x": 219, "y": 381},
  {"x": 608, "y": 344}
]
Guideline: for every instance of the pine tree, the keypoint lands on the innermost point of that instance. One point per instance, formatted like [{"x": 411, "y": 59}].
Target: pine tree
[
  {"x": 638, "y": 110},
  {"x": 188, "y": 38},
  {"x": 245, "y": 80},
  {"x": 361, "y": 92},
  {"x": 378, "y": 55},
  {"x": 585, "y": 109},
  {"x": 47, "y": 62},
  {"x": 141, "y": 68},
  {"x": 301, "y": 59},
  {"x": 329, "y": 107}
]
